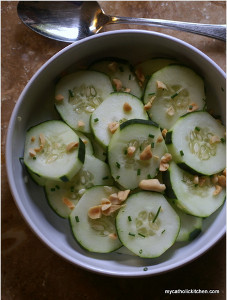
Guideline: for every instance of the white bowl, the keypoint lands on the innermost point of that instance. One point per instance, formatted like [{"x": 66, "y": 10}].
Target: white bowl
[{"x": 36, "y": 104}]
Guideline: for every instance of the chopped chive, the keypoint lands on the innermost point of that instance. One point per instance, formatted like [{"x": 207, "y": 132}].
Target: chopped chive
[
  {"x": 205, "y": 106},
  {"x": 118, "y": 177},
  {"x": 151, "y": 94},
  {"x": 57, "y": 187},
  {"x": 131, "y": 234},
  {"x": 152, "y": 145},
  {"x": 151, "y": 135},
  {"x": 190, "y": 107},
  {"x": 157, "y": 213},
  {"x": 196, "y": 185},
  {"x": 121, "y": 68},
  {"x": 34, "y": 158},
  {"x": 129, "y": 218},
  {"x": 174, "y": 95},
  {"x": 96, "y": 119},
  {"x": 126, "y": 152},
  {"x": 141, "y": 251},
  {"x": 72, "y": 189},
  {"x": 197, "y": 128},
  {"x": 118, "y": 165},
  {"x": 138, "y": 172},
  {"x": 222, "y": 89},
  {"x": 145, "y": 269},
  {"x": 129, "y": 77},
  {"x": 141, "y": 235},
  {"x": 222, "y": 140},
  {"x": 140, "y": 147},
  {"x": 52, "y": 189},
  {"x": 106, "y": 177},
  {"x": 77, "y": 219},
  {"x": 149, "y": 176},
  {"x": 163, "y": 231},
  {"x": 71, "y": 94},
  {"x": 157, "y": 169},
  {"x": 182, "y": 153}
]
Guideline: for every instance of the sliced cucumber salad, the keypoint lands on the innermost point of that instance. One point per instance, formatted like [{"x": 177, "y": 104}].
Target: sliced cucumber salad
[{"x": 132, "y": 173}]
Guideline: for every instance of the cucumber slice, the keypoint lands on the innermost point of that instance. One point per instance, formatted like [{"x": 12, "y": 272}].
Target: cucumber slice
[
  {"x": 127, "y": 170},
  {"x": 82, "y": 93},
  {"x": 93, "y": 172},
  {"x": 148, "y": 225},
  {"x": 183, "y": 88},
  {"x": 190, "y": 226},
  {"x": 192, "y": 198},
  {"x": 93, "y": 234},
  {"x": 112, "y": 110},
  {"x": 52, "y": 160},
  {"x": 119, "y": 69},
  {"x": 189, "y": 142}
]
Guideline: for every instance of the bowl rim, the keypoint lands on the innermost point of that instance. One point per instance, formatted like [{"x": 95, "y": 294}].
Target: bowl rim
[{"x": 13, "y": 187}]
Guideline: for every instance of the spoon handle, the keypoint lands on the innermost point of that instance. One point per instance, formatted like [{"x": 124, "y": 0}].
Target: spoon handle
[{"x": 210, "y": 30}]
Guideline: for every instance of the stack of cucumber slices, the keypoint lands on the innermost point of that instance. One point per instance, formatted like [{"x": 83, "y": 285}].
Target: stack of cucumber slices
[{"x": 135, "y": 162}]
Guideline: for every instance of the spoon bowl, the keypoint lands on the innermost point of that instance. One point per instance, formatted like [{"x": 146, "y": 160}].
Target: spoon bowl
[{"x": 70, "y": 21}]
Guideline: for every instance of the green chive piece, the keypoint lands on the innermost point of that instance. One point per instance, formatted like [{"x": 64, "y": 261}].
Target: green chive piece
[
  {"x": 145, "y": 269},
  {"x": 163, "y": 231},
  {"x": 222, "y": 89},
  {"x": 157, "y": 213},
  {"x": 138, "y": 172},
  {"x": 131, "y": 234},
  {"x": 151, "y": 136},
  {"x": 72, "y": 189},
  {"x": 148, "y": 176},
  {"x": 190, "y": 107},
  {"x": 174, "y": 95},
  {"x": 118, "y": 165},
  {"x": 151, "y": 94},
  {"x": 157, "y": 169},
  {"x": 125, "y": 152},
  {"x": 222, "y": 140},
  {"x": 118, "y": 177},
  {"x": 182, "y": 153},
  {"x": 152, "y": 145},
  {"x": 141, "y": 251},
  {"x": 71, "y": 94},
  {"x": 34, "y": 158},
  {"x": 196, "y": 185},
  {"x": 197, "y": 128},
  {"x": 106, "y": 177},
  {"x": 57, "y": 187},
  {"x": 52, "y": 189},
  {"x": 77, "y": 219},
  {"x": 96, "y": 120},
  {"x": 129, "y": 218},
  {"x": 141, "y": 235}
]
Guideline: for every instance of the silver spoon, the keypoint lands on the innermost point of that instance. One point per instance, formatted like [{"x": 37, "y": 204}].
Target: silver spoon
[{"x": 70, "y": 21}]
